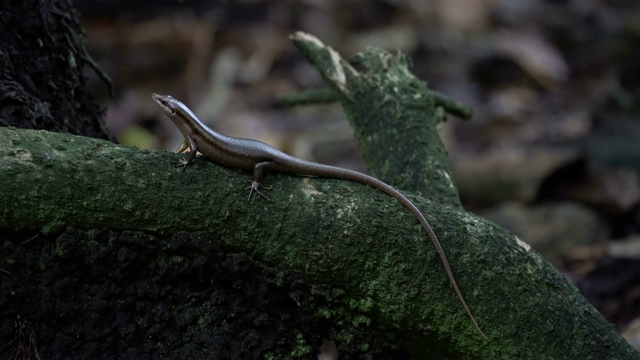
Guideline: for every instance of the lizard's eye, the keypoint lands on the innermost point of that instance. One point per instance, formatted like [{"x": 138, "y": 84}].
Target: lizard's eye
[{"x": 167, "y": 105}]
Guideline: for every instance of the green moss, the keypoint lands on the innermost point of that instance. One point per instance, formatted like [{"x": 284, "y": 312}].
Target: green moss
[{"x": 301, "y": 349}]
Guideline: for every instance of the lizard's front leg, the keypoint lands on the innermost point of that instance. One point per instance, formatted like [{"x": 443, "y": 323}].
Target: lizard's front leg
[
  {"x": 259, "y": 170},
  {"x": 193, "y": 150}
]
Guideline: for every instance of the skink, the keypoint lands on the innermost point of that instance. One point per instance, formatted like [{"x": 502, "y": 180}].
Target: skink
[{"x": 256, "y": 155}]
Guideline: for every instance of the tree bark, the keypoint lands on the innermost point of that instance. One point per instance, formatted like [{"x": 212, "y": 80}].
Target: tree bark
[{"x": 42, "y": 59}]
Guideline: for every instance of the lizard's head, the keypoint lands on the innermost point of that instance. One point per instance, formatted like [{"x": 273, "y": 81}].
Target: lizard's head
[
  {"x": 177, "y": 112},
  {"x": 168, "y": 104}
]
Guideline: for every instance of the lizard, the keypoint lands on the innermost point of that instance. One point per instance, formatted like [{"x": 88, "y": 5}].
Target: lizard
[{"x": 257, "y": 156}]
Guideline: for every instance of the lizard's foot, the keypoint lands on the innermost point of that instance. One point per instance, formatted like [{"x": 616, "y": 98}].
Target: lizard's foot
[
  {"x": 182, "y": 163},
  {"x": 254, "y": 188}
]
